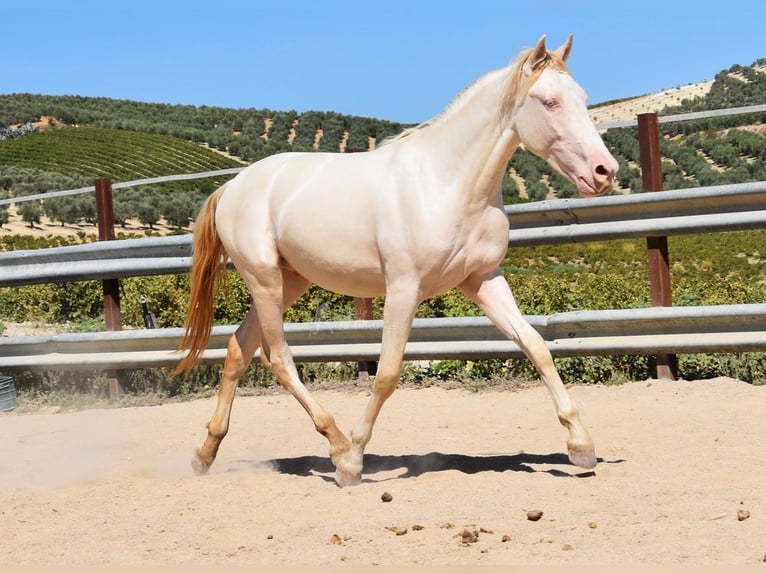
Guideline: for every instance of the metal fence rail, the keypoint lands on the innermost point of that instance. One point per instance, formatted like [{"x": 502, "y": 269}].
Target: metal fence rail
[
  {"x": 100, "y": 260},
  {"x": 674, "y": 212},
  {"x": 704, "y": 329},
  {"x": 697, "y": 210}
]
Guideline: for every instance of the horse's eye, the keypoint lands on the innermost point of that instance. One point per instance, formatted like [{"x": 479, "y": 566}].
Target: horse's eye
[{"x": 550, "y": 103}]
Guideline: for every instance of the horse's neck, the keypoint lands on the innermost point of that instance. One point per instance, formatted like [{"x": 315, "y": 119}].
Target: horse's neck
[{"x": 473, "y": 143}]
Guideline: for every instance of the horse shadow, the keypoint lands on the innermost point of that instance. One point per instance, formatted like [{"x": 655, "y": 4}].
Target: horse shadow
[{"x": 419, "y": 464}]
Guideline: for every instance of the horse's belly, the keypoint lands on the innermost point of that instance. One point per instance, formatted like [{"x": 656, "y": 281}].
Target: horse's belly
[
  {"x": 357, "y": 285},
  {"x": 339, "y": 266}
]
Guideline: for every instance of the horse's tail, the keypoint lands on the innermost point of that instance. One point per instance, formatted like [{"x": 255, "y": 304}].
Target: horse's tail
[{"x": 209, "y": 261}]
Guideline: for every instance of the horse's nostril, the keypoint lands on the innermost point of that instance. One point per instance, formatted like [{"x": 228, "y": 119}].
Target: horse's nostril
[{"x": 603, "y": 173}]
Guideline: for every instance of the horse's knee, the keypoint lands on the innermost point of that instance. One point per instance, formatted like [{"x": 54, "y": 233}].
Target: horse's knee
[
  {"x": 280, "y": 366},
  {"x": 233, "y": 371},
  {"x": 385, "y": 384}
]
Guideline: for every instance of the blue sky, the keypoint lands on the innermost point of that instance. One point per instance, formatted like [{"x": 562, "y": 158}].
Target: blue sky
[{"x": 391, "y": 59}]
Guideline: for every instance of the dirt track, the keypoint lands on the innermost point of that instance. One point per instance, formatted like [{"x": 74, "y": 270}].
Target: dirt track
[{"x": 679, "y": 461}]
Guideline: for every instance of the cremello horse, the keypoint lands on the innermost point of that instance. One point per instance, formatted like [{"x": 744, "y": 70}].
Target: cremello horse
[{"x": 413, "y": 218}]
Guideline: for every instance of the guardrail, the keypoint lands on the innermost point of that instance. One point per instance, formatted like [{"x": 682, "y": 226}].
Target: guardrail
[
  {"x": 656, "y": 214},
  {"x": 697, "y": 210},
  {"x": 722, "y": 328},
  {"x": 654, "y": 330}
]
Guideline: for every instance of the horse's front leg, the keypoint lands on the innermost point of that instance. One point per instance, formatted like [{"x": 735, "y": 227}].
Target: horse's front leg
[
  {"x": 398, "y": 314},
  {"x": 493, "y": 295}
]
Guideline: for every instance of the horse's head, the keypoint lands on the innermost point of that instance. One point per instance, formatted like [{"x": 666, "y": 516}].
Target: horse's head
[{"x": 551, "y": 119}]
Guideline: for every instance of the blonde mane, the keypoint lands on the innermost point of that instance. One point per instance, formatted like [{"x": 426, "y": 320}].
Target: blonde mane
[{"x": 514, "y": 90}]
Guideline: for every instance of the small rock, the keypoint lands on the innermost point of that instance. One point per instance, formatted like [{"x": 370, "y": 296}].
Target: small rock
[
  {"x": 398, "y": 530},
  {"x": 592, "y": 525},
  {"x": 417, "y": 527},
  {"x": 469, "y": 536},
  {"x": 534, "y": 515},
  {"x": 335, "y": 539},
  {"x": 505, "y": 538},
  {"x": 386, "y": 497},
  {"x": 743, "y": 515},
  {"x": 567, "y": 547}
]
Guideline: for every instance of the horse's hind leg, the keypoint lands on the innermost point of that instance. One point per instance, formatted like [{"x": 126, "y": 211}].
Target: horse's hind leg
[
  {"x": 270, "y": 302},
  {"x": 241, "y": 348}
]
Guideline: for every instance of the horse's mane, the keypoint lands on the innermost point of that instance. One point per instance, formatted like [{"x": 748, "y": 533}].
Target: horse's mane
[
  {"x": 514, "y": 90},
  {"x": 513, "y": 93}
]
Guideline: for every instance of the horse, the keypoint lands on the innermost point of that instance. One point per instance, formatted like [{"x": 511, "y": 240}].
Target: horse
[{"x": 415, "y": 217}]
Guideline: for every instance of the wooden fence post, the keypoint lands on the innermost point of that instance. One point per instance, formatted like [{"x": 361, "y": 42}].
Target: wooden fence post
[
  {"x": 363, "y": 312},
  {"x": 111, "y": 287},
  {"x": 657, "y": 247}
]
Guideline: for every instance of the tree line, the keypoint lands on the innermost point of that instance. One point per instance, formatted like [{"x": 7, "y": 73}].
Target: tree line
[
  {"x": 175, "y": 203},
  {"x": 247, "y": 133}
]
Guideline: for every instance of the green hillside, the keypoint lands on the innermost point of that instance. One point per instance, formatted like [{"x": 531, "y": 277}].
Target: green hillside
[
  {"x": 102, "y": 152},
  {"x": 126, "y": 140},
  {"x": 70, "y": 157}
]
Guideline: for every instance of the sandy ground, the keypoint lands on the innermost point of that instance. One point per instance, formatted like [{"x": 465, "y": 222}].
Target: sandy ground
[{"x": 678, "y": 462}]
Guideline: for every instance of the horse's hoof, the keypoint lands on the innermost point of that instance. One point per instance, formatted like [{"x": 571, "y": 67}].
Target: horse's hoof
[
  {"x": 345, "y": 478},
  {"x": 582, "y": 456},
  {"x": 348, "y": 467},
  {"x": 199, "y": 466}
]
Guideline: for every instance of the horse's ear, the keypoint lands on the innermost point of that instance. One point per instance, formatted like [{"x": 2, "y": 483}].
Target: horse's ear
[
  {"x": 539, "y": 53},
  {"x": 564, "y": 49}
]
